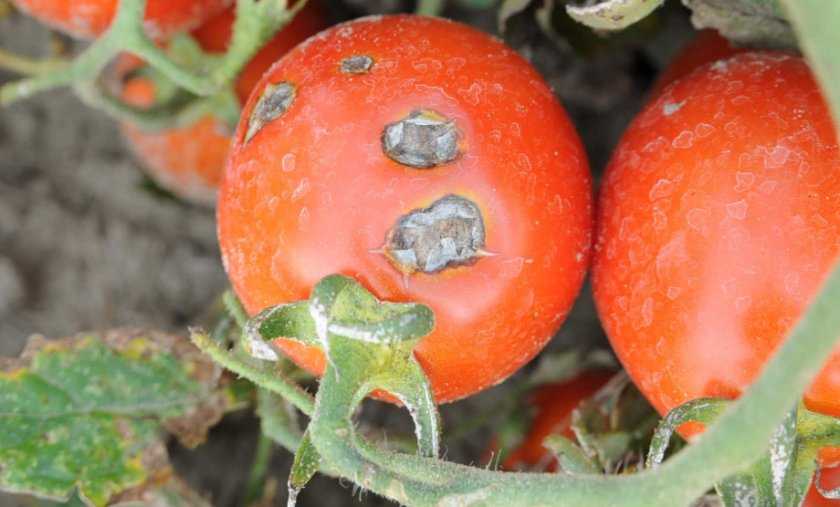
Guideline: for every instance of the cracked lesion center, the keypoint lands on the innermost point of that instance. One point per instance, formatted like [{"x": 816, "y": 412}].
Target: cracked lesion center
[
  {"x": 450, "y": 232},
  {"x": 423, "y": 139},
  {"x": 356, "y": 64}
]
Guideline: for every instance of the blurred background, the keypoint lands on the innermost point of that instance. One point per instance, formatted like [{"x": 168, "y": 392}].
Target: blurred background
[{"x": 87, "y": 242}]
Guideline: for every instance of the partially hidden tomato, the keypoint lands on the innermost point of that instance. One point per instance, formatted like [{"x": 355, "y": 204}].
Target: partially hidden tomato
[
  {"x": 189, "y": 161},
  {"x": 89, "y": 18},
  {"x": 553, "y": 405},
  {"x": 431, "y": 163},
  {"x": 718, "y": 221},
  {"x": 829, "y": 479}
]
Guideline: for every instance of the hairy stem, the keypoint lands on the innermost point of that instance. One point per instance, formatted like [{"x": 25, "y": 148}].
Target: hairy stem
[{"x": 267, "y": 377}]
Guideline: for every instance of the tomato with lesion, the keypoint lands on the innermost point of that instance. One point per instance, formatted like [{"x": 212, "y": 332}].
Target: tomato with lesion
[{"x": 317, "y": 184}]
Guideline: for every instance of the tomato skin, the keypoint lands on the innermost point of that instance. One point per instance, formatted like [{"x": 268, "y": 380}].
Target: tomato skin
[
  {"x": 718, "y": 221},
  {"x": 89, "y": 18},
  {"x": 829, "y": 479},
  {"x": 554, "y": 404},
  {"x": 189, "y": 161},
  {"x": 312, "y": 193}
]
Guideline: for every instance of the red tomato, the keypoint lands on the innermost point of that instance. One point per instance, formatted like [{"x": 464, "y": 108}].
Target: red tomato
[
  {"x": 554, "y": 404},
  {"x": 376, "y": 125},
  {"x": 718, "y": 221},
  {"x": 189, "y": 161},
  {"x": 89, "y": 18},
  {"x": 708, "y": 46},
  {"x": 829, "y": 479}
]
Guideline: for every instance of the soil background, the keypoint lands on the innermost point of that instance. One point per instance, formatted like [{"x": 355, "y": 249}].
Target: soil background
[{"x": 86, "y": 244}]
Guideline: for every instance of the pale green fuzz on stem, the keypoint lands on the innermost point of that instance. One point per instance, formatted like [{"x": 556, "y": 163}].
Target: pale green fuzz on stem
[{"x": 205, "y": 81}]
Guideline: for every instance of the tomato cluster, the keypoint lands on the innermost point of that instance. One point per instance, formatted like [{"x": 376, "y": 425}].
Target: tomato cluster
[{"x": 432, "y": 163}]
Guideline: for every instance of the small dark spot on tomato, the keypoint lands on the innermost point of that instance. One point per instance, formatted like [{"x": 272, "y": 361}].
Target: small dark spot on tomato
[
  {"x": 422, "y": 140},
  {"x": 356, "y": 64},
  {"x": 274, "y": 101},
  {"x": 450, "y": 232}
]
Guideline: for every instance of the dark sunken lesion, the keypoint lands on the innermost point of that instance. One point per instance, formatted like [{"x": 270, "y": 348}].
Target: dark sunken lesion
[
  {"x": 356, "y": 64},
  {"x": 423, "y": 139},
  {"x": 274, "y": 101},
  {"x": 450, "y": 232}
]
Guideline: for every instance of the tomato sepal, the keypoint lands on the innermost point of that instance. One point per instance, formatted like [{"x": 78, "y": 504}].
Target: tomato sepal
[
  {"x": 363, "y": 339},
  {"x": 307, "y": 461},
  {"x": 612, "y": 425}
]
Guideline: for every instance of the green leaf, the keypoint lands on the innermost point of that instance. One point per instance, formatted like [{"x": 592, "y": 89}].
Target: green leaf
[
  {"x": 759, "y": 23},
  {"x": 86, "y": 413},
  {"x": 306, "y": 463},
  {"x": 612, "y": 14}
]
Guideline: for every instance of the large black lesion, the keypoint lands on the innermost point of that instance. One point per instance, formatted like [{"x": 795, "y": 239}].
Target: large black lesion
[
  {"x": 450, "y": 232},
  {"x": 274, "y": 101},
  {"x": 423, "y": 139}
]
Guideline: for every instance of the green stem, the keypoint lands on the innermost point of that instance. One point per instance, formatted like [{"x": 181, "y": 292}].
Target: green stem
[
  {"x": 235, "y": 308},
  {"x": 268, "y": 377},
  {"x": 256, "y": 23},
  {"x": 259, "y": 470},
  {"x": 28, "y": 66}
]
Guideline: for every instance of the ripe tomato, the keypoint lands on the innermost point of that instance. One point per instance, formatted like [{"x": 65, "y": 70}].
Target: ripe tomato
[
  {"x": 553, "y": 404},
  {"x": 431, "y": 163},
  {"x": 89, "y": 18},
  {"x": 829, "y": 479},
  {"x": 718, "y": 221},
  {"x": 189, "y": 161}
]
